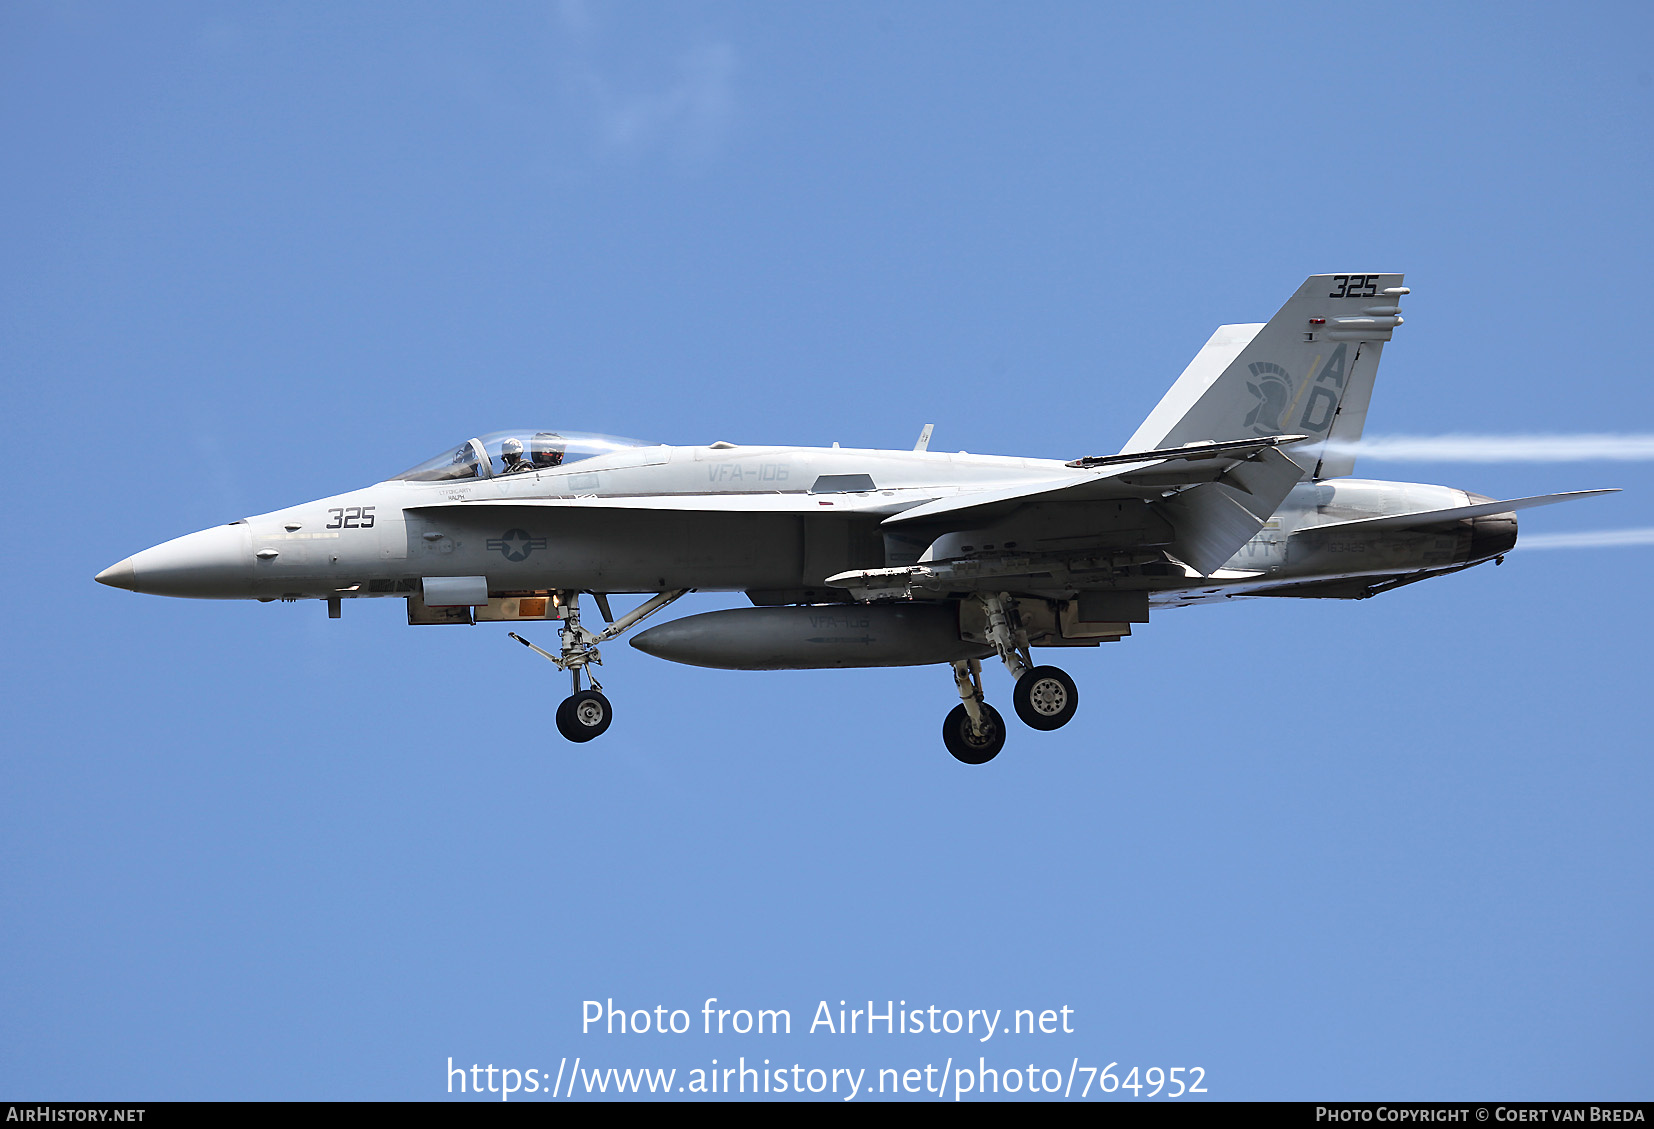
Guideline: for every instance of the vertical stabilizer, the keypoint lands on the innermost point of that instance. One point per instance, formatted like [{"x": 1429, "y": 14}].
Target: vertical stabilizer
[{"x": 1309, "y": 370}]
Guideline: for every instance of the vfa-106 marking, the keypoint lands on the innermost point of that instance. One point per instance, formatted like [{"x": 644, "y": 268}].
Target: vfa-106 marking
[{"x": 1237, "y": 484}]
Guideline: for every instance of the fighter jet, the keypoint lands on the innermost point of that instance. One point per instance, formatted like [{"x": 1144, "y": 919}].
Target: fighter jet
[{"x": 1238, "y": 484}]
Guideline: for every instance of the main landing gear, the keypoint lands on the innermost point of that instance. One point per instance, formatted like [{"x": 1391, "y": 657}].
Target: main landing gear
[
  {"x": 585, "y": 714},
  {"x": 1045, "y": 697},
  {"x": 973, "y": 730}
]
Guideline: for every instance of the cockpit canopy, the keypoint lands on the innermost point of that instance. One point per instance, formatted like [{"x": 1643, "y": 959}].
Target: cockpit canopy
[{"x": 502, "y": 453}]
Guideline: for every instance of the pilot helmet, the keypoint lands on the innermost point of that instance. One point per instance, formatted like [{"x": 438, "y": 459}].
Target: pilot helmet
[
  {"x": 546, "y": 448},
  {"x": 512, "y": 446}
]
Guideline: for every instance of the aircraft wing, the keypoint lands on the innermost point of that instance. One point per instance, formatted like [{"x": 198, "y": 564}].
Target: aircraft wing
[
  {"x": 983, "y": 504},
  {"x": 1129, "y": 475},
  {"x": 1426, "y": 517},
  {"x": 745, "y": 502}
]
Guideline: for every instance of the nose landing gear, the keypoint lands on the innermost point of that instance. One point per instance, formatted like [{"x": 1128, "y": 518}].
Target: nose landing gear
[{"x": 586, "y": 714}]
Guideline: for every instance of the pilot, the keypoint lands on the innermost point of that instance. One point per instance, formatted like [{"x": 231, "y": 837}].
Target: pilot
[
  {"x": 546, "y": 449},
  {"x": 464, "y": 464},
  {"x": 511, "y": 454}
]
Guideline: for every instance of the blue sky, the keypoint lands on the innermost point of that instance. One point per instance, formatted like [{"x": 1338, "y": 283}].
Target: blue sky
[{"x": 254, "y": 255}]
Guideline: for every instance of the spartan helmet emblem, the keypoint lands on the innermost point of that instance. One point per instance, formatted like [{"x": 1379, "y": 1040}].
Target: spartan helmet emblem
[{"x": 1273, "y": 389}]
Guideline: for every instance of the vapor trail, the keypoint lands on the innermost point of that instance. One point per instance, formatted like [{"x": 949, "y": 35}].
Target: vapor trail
[
  {"x": 1595, "y": 539},
  {"x": 1501, "y": 448}
]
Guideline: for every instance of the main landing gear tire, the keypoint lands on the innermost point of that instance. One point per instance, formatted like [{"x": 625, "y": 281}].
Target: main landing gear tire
[
  {"x": 584, "y": 715},
  {"x": 969, "y": 747},
  {"x": 1045, "y": 698}
]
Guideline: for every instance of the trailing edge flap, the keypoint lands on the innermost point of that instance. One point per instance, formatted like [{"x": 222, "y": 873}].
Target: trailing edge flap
[
  {"x": 1224, "y": 453},
  {"x": 1213, "y": 520},
  {"x": 1428, "y": 517}
]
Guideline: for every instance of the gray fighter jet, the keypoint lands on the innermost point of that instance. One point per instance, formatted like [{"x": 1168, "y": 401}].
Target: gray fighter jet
[{"x": 1237, "y": 484}]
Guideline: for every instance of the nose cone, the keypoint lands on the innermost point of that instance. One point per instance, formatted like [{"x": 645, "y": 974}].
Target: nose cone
[
  {"x": 119, "y": 576},
  {"x": 213, "y": 564}
]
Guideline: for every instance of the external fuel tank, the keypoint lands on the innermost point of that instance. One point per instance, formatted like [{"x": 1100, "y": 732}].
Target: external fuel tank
[{"x": 813, "y": 637}]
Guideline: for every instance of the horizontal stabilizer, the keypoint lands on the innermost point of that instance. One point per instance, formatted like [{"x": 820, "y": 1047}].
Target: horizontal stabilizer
[{"x": 1427, "y": 517}]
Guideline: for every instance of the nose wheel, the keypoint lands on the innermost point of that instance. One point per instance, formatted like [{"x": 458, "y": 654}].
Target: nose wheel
[{"x": 584, "y": 715}]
